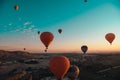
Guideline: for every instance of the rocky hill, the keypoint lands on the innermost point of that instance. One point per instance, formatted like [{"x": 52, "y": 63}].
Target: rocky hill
[{"x": 15, "y": 55}]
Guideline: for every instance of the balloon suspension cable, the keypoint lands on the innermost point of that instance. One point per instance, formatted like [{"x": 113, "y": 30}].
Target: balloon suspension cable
[{"x": 46, "y": 47}]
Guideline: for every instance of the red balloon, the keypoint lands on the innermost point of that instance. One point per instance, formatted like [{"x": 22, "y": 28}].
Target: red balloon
[
  {"x": 59, "y": 66},
  {"x": 110, "y": 37},
  {"x": 46, "y": 38}
]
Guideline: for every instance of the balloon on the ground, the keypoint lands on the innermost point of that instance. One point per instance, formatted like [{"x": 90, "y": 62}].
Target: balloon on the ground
[
  {"x": 16, "y": 7},
  {"x": 110, "y": 37},
  {"x": 60, "y": 31},
  {"x": 59, "y": 66},
  {"x": 46, "y": 38},
  {"x": 84, "y": 48},
  {"x": 73, "y": 72}
]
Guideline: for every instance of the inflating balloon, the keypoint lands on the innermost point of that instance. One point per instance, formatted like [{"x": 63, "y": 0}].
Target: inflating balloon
[
  {"x": 84, "y": 48},
  {"x": 73, "y": 72},
  {"x": 16, "y": 7},
  {"x": 110, "y": 37},
  {"x": 60, "y": 31},
  {"x": 59, "y": 66},
  {"x": 46, "y": 38}
]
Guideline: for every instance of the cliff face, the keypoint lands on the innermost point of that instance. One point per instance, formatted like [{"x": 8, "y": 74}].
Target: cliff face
[{"x": 14, "y": 55}]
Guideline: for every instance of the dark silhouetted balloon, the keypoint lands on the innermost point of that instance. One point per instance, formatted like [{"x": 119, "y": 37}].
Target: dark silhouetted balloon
[
  {"x": 110, "y": 37},
  {"x": 38, "y": 32},
  {"x": 73, "y": 72},
  {"x": 60, "y": 31},
  {"x": 84, "y": 48},
  {"x": 59, "y": 66},
  {"x": 24, "y": 49},
  {"x": 46, "y": 38},
  {"x": 85, "y": 0},
  {"x": 16, "y": 7}
]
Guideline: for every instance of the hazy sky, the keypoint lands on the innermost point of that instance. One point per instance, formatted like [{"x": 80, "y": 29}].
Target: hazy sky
[{"x": 82, "y": 24}]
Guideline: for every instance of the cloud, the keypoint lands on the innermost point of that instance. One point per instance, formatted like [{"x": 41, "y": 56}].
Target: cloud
[
  {"x": 4, "y": 26},
  {"x": 33, "y": 26},
  {"x": 20, "y": 18},
  {"x": 10, "y": 24},
  {"x": 35, "y": 29},
  {"x": 16, "y": 30},
  {"x": 27, "y": 23}
]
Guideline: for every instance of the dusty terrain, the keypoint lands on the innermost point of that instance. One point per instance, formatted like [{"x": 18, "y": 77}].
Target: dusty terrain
[{"x": 92, "y": 66}]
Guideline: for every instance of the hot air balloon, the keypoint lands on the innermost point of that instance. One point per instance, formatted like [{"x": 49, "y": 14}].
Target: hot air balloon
[
  {"x": 84, "y": 48},
  {"x": 24, "y": 49},
  {"x": 110, "y": 37},
  {"x": 38, "y": 32},
  {"x": 46, "y": 38},
  {"x": 60, "y": 31},
  {"x": 16, "y": 7},
  {"x": 73, "y": 72},
  {"x": 85, "y": 0},
  {"x": 59, "y": 66}
]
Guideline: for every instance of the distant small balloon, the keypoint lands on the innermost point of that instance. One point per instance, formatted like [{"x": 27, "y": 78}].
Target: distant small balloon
[
  {"x": 45, "y": 50},
  {"x": 84, "y": 48},
  {"x": 110, "y": 37},
  {"x": 38, "y": 32},
  {"x": 85, "y": 0},
  {"x": 60, "y": 31},
  {"x": 16, "y": 7},
  {"x": 24, "y": 49}
]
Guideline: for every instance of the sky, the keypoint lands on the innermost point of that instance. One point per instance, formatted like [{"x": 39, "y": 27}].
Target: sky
[{"x": 82, "y": 23}]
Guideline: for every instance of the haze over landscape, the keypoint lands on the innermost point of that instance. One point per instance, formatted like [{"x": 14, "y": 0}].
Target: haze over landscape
[
  {"x": 81, "y": 23},
  {"x": 59, "y": 39}
]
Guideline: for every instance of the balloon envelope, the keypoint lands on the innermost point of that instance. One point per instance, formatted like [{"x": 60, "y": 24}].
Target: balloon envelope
[
  {"x": 85, "y": 0},
  {"x": 73, "y": 72},
  {"x": 110, "y": 37},
  {"x": 16, "y": 7},
  {"x": 38, "y": 32},
  {"x": 46, "y": 38},
  {"x": 24, "y": 48},
  {"x": 84, "y": 48},
  {"x": 60, "y": 30},
  {"x": 59, "y": 66}
]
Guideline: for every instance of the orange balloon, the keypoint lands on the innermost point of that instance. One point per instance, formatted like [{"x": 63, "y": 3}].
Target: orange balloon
[
  {"x": 110, "y": 37},
  {"x": 16, "y": 7},
  {"x": 59, "y": 66},
  {"x": 46, "y": 38}
]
